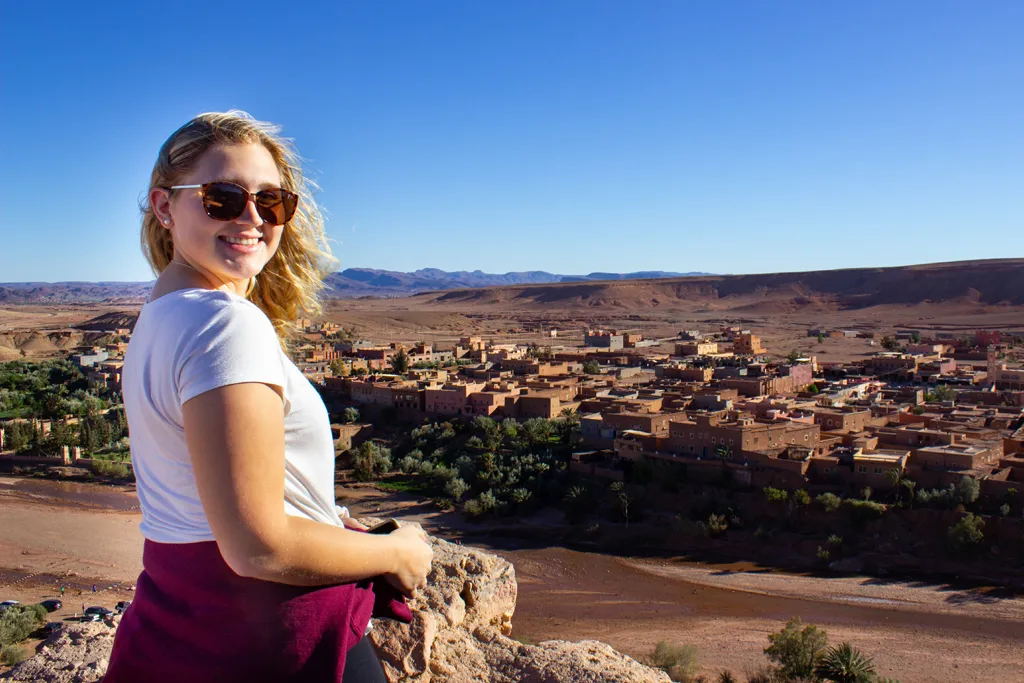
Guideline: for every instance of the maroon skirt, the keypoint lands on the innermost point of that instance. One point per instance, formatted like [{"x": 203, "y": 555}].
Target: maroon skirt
[{"x": 194, "y": 620}]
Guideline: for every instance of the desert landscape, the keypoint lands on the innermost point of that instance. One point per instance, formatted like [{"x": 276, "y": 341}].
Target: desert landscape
[
  {"x": 80, "y": 535},
  {"x": 947, "y": 297}
]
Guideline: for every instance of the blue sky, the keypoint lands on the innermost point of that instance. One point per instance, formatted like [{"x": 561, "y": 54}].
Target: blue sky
[{"x": 565, "y": 136}]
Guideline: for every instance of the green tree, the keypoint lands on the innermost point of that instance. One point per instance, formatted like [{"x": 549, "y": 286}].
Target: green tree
[
  {"x": 943, "y": 392},
  {"x": 350, "y": 415},
  {"x": 846, "y": 664},
  {"x": 967, "y": 490},
  {"x": 400, "y": 362},
  {"x": 569, "y": 426},
  {"x": 966, "y": 534},
  {"x": 592, "y": 367},
  {"x": 793, "y": 356},
  {"x": 797, "y": 649},
  {"x": 821, "y": 339},
  {"x": 17, "y": 436},
  {"x": 371, "y": 459}
]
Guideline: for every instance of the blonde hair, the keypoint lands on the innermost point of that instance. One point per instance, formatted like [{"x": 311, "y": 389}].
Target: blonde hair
[{"x": 291, "y": 282}]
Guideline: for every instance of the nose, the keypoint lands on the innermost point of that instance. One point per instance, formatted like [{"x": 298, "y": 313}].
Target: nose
[{"x": 250, "y": 216}]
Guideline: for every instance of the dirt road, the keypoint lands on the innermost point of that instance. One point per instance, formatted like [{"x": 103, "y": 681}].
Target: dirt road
[{"x": 77, "y": 535}]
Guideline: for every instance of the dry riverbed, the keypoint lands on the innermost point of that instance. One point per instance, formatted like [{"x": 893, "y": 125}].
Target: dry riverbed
[{"x": 77, "y": 535}]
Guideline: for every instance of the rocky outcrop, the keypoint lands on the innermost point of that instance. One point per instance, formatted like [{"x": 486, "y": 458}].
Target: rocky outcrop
[
  {"x": 78, "y": 653},
  {"x": 460, "y": 633}
]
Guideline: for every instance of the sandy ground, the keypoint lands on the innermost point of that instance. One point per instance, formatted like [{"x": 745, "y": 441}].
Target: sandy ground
[{"x": 54, "y": 534}]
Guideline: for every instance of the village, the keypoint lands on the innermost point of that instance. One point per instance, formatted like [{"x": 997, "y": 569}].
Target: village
[{"x": 925, "y": 412}]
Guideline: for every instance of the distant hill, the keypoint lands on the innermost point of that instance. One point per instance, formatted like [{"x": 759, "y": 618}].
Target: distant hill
[
  {"x": 968, "y": 283},
  {"x": 346, "y": 284},
  {"x": 357, "y": 282},
  {"x": 73, "y": 292}
]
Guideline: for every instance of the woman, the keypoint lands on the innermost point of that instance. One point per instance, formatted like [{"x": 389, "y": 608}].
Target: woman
[{"x": 250, "y": 574}]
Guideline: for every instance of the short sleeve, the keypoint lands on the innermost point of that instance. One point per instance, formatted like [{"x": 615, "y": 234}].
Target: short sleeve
[{"x": 235, "y": 343}]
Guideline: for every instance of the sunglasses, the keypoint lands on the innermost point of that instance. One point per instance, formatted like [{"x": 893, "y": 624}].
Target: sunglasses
[{"x": 226, "y": 201}]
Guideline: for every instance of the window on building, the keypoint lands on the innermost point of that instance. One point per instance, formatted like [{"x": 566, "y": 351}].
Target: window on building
[
  {"x": 863, "y": 469},
  {"x": 878, "y": 470}
]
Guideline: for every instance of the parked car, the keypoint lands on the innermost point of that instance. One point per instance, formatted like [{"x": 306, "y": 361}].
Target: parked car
[
  {"x": 120, "y": 607},
  {"x": 91, "y": 617},
  {"x": 51, "y": 628},
  {"x": 52, "y": 605},
  {"x": 8, "y": 603},
  {"x": 98, "y": 611}
]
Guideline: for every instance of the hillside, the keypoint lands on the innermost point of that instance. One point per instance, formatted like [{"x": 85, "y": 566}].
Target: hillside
[
  {"x": 350, "y": 283},
  {"x": 990, "y": 282}
]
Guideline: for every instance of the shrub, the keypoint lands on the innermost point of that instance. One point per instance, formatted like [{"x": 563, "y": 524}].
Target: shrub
[
  {"x": 865, "y": 510},
  {"x": 727, "y": 677},
  {"x": 350, "y": 415},
  {"x": 797, "y": 649},
  {"x": 717, "y": 525},
  {"x": 678, "y": 661},
  {"x": 835, "y": 541},
  {"x": 774, "y": 495},
  {"x": 114, "y": 470},
  {"x": 966, "y": 533},
  {"x": 801, "y": 497},
  {"x": 409, "y": 465},
  {"x": 829, "y": 501},
  {"x": 18, "y": 621},
  {"x": 488, "y": 501},
  {"x": 456, "y": 489},
  {"x": 472, "y": 508},
  {"x": 1004, "y": 510},
  {"x": 13, "y": 654},
  {"x": 823, "y": 555}
]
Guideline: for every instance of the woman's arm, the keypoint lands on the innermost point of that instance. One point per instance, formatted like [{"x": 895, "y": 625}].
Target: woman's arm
[{"x": 235, "y": 437}]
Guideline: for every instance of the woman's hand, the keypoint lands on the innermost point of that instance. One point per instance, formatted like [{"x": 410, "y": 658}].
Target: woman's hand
[
  {"x": 413, "y": 558},
  {"x": 352, "y": 523}
]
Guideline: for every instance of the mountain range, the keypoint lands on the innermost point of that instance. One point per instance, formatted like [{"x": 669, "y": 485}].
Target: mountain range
[{"x": 345, "y": 284}]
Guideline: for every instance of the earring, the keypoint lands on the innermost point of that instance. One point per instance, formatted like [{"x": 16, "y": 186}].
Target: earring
[{"x": 167, "y": 221}]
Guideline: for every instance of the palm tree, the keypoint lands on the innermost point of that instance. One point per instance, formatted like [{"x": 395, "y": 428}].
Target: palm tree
[
  {"x": 846, "y": 664},
  {"x": 619, "y": 490},
  {"x": 909, "y": 484}
]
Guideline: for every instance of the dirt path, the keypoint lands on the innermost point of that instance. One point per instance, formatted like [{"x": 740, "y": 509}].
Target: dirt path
[{"x": 77, "y": 535}]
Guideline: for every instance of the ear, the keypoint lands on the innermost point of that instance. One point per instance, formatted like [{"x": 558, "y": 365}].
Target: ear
[{"x": 160, "y": 203}]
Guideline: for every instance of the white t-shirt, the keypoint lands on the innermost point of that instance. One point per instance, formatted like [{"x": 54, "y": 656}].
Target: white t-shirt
[{"x": 184, "y": 344}]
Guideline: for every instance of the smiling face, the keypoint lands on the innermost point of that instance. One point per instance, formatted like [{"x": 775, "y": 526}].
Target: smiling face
[{"x": 225, "y": 252}]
